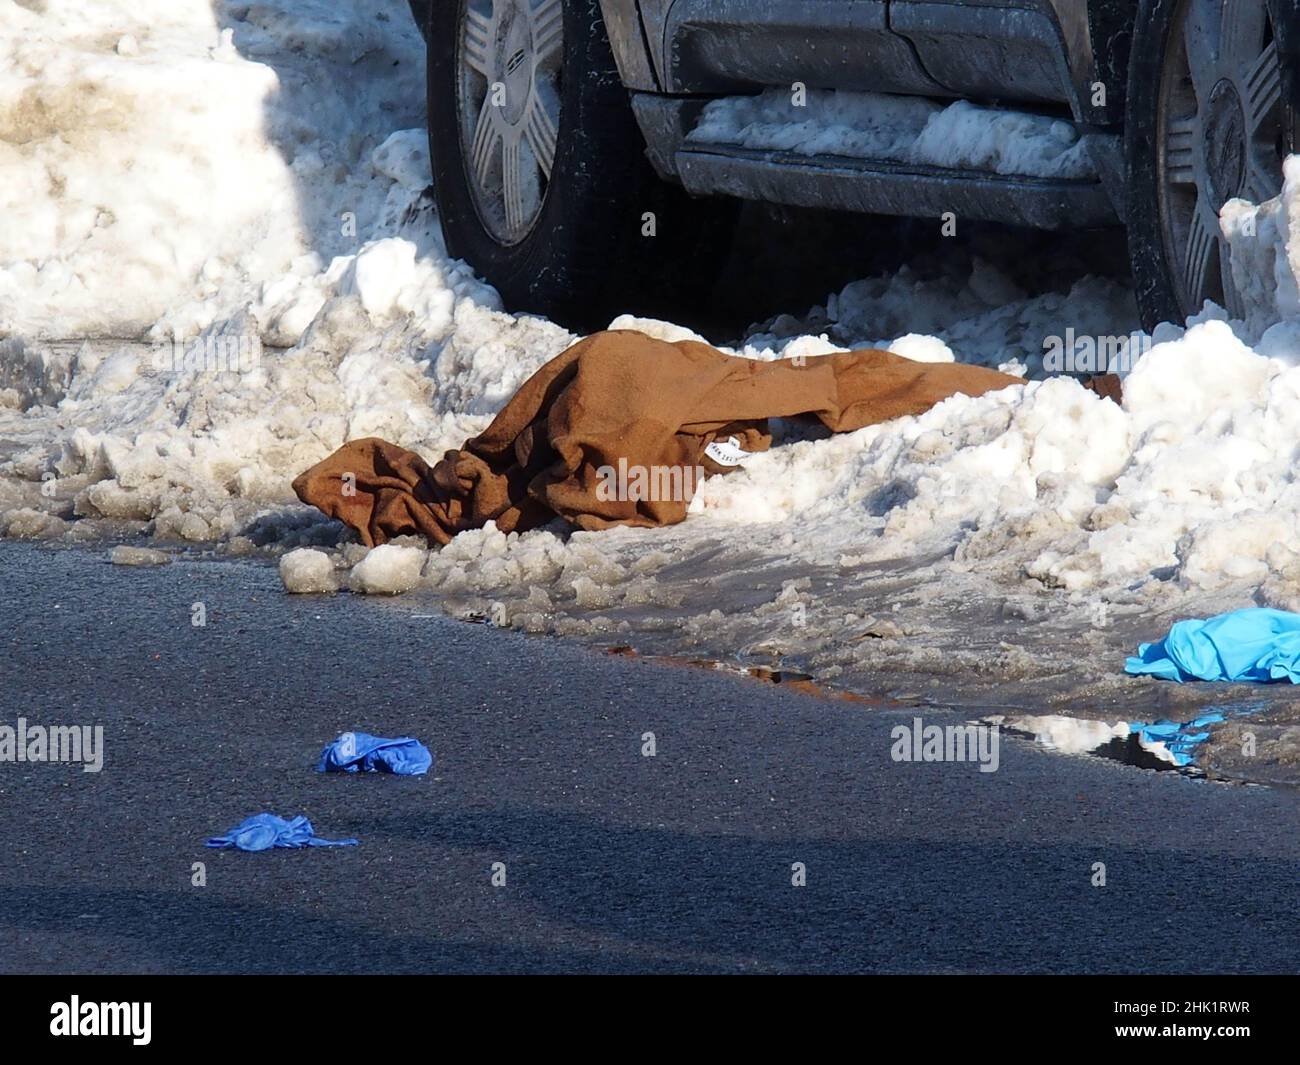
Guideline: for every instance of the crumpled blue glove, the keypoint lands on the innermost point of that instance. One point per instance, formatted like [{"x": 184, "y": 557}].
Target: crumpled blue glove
[
  {"x": 1257, "y": 644},
  {"x": 359, "y": 752},
  {"x": 261, "y": 832}
]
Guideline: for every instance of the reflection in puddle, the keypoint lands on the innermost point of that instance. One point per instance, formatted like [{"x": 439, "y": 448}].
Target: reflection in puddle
[{"x": 1145, "y": 744}]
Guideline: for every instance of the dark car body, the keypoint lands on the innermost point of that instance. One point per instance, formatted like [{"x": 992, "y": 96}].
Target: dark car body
[
  {"x": 1055, "y": 57},
  {"x": 1169, "y": 109}
]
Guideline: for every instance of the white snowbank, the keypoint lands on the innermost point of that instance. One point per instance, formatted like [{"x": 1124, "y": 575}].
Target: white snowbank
[
  {"x": 156, "y": 160},
  {"x": 973, "y": 309},
  {"x": 902, "y": 129},
  {"x": 1265, "y": 242}
]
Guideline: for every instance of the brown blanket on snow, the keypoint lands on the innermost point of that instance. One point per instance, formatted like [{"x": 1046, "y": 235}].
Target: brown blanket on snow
[{"x": 594, "y": 434}]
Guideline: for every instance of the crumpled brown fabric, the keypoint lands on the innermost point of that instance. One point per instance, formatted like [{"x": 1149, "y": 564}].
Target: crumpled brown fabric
[
  {"x": 618, "y": 396},
  {"x": 1107, "y": 385}
]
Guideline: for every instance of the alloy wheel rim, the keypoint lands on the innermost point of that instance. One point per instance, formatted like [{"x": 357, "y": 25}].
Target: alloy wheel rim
[
  {"x": 509, "y": 69},
  {"x": 1222, "y": 131}
]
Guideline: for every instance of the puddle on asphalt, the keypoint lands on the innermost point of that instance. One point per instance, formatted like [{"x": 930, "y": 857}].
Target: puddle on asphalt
[{"x": 1159, "y": 745}]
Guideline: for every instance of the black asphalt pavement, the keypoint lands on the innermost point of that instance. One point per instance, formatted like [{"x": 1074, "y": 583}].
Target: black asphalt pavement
[{"x": 614, "y": 861}]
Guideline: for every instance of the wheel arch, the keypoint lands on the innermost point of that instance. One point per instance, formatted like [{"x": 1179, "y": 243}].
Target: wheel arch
[
  {"x": 1097, "y": 36},
  {"x": 627, "y": 39},
  {"x": 622, "y": 20},
  {"x": 420, "y": 12}
]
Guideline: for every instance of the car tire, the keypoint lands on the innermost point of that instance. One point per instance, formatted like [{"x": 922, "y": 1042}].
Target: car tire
[
  {"x": 609, "y": 235},
  {"x": 1187, "y": 150}
]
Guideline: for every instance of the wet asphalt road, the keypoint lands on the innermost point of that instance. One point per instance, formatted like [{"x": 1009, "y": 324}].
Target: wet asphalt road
[{"x": 614, "y": 861}]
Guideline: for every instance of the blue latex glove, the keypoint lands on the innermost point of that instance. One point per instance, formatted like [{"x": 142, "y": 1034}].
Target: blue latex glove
[
  {"x": 261, "y": 832},
  {"x": 359, "y": 752},
  {"x": 1257, "y": 644}
]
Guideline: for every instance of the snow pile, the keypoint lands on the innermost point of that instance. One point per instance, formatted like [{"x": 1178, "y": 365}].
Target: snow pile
[
  {"x": 289, "y": 214},
  {"x": 902, "y": 129},
  {"x": 1192, "y": 481},
  {"x": 968, "y": 310},
  {"x": 157, "y": 160},
  {"x": 1265, "y": 255},
  {"x": 404, "y": 347}
]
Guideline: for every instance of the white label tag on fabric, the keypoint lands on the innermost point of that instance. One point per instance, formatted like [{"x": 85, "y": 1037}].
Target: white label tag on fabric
[{"x": 727, "y": 454}]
